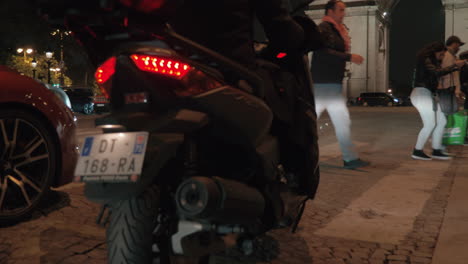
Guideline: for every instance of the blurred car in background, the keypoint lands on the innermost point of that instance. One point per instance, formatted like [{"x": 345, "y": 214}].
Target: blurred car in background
[
  {"x": 81, "y": 99},
  {"x": 37, "y": 144},
  {"x": 377, "y": 99}
]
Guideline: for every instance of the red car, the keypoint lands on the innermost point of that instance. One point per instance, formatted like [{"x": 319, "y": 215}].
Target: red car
[{"x": 37, "y": 144}]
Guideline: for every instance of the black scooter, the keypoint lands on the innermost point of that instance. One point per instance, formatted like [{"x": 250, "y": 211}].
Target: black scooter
[{"x": 186, "y": 157}]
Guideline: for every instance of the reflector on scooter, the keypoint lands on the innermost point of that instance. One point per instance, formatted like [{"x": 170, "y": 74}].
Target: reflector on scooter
[
  {"x": 281, "y": 55},
  {"x": 161, "y": 65}
]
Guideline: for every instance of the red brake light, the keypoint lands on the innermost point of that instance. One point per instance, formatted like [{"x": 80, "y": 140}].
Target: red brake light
[
  {"x": 105, "y": 71},
  {"x": 161, "y": 65}
]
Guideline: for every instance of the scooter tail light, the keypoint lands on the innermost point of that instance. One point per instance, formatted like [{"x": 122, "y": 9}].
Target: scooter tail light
[
  {"x": 103, "y": 75},
  {"x": 161, "y": 65}
]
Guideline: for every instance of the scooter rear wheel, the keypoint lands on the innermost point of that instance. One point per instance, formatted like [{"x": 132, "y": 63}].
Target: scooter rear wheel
[
  {"x": 129, "y": 234},
  {"x": 130, "y": 238}
]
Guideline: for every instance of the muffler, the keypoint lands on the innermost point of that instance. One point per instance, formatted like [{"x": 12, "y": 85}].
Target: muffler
[{"x": 221, "y": 200}]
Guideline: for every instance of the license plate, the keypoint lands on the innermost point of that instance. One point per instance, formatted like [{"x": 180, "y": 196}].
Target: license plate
[
  {"x": 112, "y": 157},
  {"x": 100, "y": 104}
]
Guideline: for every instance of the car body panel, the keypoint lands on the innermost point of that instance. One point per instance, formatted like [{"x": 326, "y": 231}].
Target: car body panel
[{"x": 21, "y": 91}]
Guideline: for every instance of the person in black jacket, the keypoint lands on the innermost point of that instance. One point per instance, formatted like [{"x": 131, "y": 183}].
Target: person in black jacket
[
  {"x": 328, "y": 67},
  {"x": 426, "y": 80},
  {"x": 227, "y": 27}
]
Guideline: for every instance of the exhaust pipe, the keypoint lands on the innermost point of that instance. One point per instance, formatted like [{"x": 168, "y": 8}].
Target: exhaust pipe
[{"x": 221, "y": 200}]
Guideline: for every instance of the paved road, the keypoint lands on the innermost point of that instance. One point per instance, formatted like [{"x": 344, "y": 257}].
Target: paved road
[{"x": 388, "y": 213}]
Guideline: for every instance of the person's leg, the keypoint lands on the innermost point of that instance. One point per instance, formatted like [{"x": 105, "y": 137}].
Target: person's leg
[
  {"x": 438, "y": 132},
  {"x": 437, "y": 135},
  {"x": 422, "y": 100},
  {"x": 299, "y": 146},
  {"x": 339, "y": 115},
  {"x": 466, "y": 102},
  {"x": 466, "y": 109},
  {"x": 320, "y": 98}
]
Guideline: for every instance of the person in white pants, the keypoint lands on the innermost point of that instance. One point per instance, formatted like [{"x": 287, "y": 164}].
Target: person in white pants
[
  {"x": 426, "y": 81},
  {"x": 328, "y": 67},
  {"x": 434, "y": 122}
]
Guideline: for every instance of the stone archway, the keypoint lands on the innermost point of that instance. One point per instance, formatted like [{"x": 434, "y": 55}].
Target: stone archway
[{"x": 456, "y": 18}]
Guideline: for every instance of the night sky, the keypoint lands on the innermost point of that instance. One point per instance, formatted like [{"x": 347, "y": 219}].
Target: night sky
[{"x": 414, "y": 24}]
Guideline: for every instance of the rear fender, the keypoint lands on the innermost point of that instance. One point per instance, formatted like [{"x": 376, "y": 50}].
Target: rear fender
[{"x": 161, "y": 148}]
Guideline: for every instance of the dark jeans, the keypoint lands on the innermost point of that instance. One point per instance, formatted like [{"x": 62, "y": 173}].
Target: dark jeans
[
  {"x": 295, "y": 125},
  {"x": 466, "y": 108}
]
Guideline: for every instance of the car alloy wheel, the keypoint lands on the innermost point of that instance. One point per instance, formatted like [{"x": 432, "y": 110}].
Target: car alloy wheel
[
  {"x": 365, "y": 104},
  {"x": 27, "y": 163},
  {"x": 88, "y": 108}
]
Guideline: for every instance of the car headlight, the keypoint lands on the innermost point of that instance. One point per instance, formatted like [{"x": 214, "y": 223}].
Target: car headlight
[{"x": 396, "y": 100}]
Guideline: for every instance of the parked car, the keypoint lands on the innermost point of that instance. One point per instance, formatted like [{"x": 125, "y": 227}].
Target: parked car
[
  {"x": 101, "y": 104},
  {"x": 374, "y": 99},
  {"x": 37, "y": 144},
  {"x": 81, "y": 98}
]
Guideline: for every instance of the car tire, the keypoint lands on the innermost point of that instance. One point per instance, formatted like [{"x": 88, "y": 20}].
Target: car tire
[
  {"x": 365, "y": 104},
  {"x": 88, "y": 108},
  {"x": 390, "y": 104},
  {"x": 28, "y": 158}
]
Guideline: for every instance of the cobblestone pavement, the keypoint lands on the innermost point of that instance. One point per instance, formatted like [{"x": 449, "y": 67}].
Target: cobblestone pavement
[{"x": 65, "y": 230}]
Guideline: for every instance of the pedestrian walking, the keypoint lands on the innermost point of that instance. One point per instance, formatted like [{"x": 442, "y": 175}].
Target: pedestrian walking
[
  {"x": 452, "y": 79},
  {"x": 328, "y": 68},
  {"x": 427, "y": 77}
]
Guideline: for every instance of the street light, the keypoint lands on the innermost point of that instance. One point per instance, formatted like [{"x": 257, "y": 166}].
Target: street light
[
  {"x": 49, "y": 55},
  {"x": 34, "y": 65},
  {"x": 24, "y": 51}
]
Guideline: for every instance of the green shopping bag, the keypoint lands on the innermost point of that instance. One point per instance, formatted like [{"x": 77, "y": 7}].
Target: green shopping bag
[{"x": 455, "y": 130}]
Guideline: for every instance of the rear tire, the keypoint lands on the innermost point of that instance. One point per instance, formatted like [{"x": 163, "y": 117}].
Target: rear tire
[
  {"x": 130, "y": 232},
  {"x": 130, "y": 238}
]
